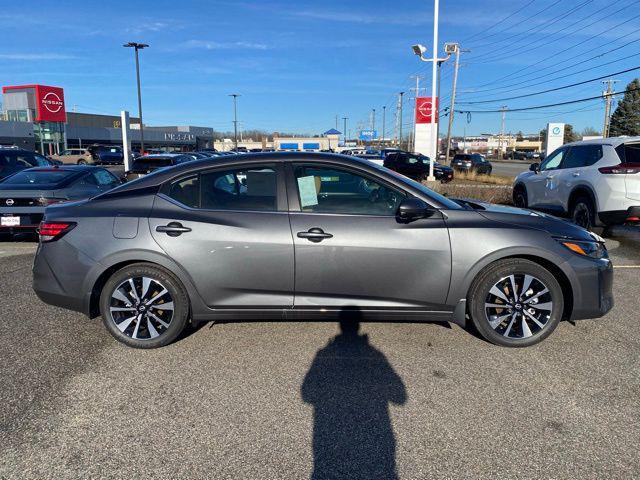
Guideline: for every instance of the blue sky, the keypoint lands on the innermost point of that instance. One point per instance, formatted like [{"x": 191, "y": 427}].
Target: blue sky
[{"x": 298, "y": 64}]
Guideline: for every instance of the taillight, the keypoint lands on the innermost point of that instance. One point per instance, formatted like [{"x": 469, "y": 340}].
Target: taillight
[
  {"x": 49, "y": 231},
  {"x": 621, "y": 169}
]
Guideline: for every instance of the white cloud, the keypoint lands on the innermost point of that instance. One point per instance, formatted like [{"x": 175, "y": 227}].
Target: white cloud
[
  {"x": 209, "y": 45},
  {"x": 35, "y": 56}
]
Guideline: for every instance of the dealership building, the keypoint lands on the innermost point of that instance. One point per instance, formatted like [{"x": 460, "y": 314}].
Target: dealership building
[{"x": 35, "y": 118}]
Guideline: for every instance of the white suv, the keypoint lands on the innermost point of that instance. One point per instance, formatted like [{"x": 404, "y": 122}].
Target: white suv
[{"x": 595, "y": 182}]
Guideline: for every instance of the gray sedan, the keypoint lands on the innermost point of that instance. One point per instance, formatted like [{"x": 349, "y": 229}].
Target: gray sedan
[
  {"x": 303, "y": 236},
  {"x": 24, "y": 195}
]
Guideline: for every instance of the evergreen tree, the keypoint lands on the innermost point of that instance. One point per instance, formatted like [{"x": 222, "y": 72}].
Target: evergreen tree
[{"x": 626, "y": 119}]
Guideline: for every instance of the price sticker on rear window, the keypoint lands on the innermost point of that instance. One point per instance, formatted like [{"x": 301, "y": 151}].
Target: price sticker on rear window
[{"x": 308, "y": 193}]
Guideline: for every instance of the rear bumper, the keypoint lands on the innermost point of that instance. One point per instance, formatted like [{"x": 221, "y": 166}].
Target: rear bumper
[
  {"x": 29, "y": 222},
  {"x": 59, "y": 281},
  {"x": 618, "y": 217}
]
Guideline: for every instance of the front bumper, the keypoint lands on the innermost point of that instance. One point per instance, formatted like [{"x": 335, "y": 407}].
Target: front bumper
[
  {"x": 592, "y": 288},
  {"x": 618, "y": 217}
]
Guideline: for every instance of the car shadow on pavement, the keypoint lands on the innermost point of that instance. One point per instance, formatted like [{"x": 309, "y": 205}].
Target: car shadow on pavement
[{"x": 350, "y": 385}]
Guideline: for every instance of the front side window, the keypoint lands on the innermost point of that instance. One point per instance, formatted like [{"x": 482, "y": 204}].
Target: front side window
[
  {"x": 582, "y": 156},
  {"x": 553, "y": 161},
  {"x": 333, "y": 190},
  {"x": 105, "y": 179}
]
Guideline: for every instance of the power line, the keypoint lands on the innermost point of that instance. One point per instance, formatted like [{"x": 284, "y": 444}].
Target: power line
[
  {"x": 565, "y": 49},
  {"x": 551, "y": 89},
  {"x": 499, "y": 22},
  {"x": 552, "y": 21},
  {"x": 527, "y": 84},
  {"x": 537, "y": 107}
]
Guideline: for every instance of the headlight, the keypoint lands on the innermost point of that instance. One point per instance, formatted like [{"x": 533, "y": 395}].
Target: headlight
[{"x": 585, "y": 248}]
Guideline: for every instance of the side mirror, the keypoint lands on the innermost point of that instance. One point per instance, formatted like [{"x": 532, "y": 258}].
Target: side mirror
[
  {"x": 534, "y": 167},
  {"x": 412, "y": 209}
]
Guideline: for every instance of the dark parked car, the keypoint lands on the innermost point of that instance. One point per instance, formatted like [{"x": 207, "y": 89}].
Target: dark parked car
[
  {"x": 24, "y": 195},
  {"x": 471, "y": 162},
  {"x": 106, "y": 155},
  {"x": 148, "y": 163},
  {"x": 302, "y": 236},
  {"x": 13, "y": 160},
  {"x": 416, "y": 166}
]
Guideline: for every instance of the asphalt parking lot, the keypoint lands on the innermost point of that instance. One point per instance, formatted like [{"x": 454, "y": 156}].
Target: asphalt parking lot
[{"x": 280, "y": 400}]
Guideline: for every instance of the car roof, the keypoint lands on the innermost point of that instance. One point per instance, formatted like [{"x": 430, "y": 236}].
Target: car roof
[
  {"x": 162, "y": 155},
  {"x": 162, "y": 176},
  {"x": 614, "y": 141}
]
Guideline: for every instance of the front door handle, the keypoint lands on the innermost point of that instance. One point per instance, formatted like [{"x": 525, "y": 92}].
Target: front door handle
[
  {"x": 173, "y": 229},
  {"x": 314, "y": 235},
  {"x": 576, "y": 174}
]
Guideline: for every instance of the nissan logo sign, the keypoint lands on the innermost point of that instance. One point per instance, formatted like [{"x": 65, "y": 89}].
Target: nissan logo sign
[
  {"x": 9, "y": 201},
  {"x": 51, "y": 101}
]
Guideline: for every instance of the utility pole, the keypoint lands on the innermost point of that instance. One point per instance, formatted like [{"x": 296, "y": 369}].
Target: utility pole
[
  {"x": 399, "y": 118},
  {"x": 415, "y": 106},
  {"x": 344, "y": 119},
  {"x": 336, "y": 122},
  {"x": 504, "y": 113},
  {"x": 384, "y": 114},
  {"x": 235, "y": 119},
  {"x": 453, "y": 98},
  {"x": 608, "y": 97}
]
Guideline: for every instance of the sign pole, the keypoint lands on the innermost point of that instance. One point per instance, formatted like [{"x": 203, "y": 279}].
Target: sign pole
[{"x": 126, "y": 139}]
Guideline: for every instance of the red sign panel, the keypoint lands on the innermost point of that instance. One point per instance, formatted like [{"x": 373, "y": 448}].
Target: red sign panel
[
  {"x": 50, "y": 104},
  {"x": 424, "y": 107}
]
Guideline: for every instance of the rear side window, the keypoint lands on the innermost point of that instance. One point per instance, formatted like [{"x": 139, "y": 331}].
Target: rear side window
[
  {"x": 251, "y": 189},
  {"x": 629, "y": 152},
  {"x": 582, "y": 156}
]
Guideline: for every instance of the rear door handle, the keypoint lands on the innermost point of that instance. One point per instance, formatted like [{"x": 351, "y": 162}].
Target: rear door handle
[
  {"x": 314, "y": 235},
  {"x": 173, "y": 229}
]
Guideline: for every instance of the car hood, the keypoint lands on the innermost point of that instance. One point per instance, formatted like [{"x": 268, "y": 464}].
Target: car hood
[{"x": 529, "y": 219}]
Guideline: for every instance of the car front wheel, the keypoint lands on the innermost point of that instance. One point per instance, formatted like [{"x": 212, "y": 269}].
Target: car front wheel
[
  {"x": 515, "y": 303},
  {"x": 144, "y": 306}
]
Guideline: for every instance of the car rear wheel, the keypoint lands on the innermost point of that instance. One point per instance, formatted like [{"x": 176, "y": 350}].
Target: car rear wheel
[
  {"x": 144, "y": 306},
  {"x": 515, "y": 303},
  {"x": 582, "y": 213},
  {"x": 82, "y": 161}
]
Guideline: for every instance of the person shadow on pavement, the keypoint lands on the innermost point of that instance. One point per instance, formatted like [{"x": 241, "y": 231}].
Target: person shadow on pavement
[{"x": 350, "y": 384}]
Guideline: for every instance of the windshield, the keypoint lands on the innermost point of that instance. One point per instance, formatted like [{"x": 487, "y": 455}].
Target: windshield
[{"x": 447, "y": 203}]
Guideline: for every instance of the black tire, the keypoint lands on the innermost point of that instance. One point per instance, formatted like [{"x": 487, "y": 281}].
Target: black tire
[
  {"x": 520, "y": 199},
  {"x": 82, "y": 161},
  {"x": 583, "y": 213},
  {"x": 479, "y": 293},
  {"x": 175, "y": 293}
]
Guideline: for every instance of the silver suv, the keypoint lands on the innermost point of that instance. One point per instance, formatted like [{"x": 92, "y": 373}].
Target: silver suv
[{"x": 595, "y": 182}]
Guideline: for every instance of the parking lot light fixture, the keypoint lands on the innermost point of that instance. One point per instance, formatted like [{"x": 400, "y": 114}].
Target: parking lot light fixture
[{"x": 138, "y": 46}]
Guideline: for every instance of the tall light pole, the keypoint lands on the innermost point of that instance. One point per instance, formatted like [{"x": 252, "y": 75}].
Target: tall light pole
[
  {"x": 235, "y": 119},
  {"x": 420, "y": 50},
  {"x": 384, "y": 118},
  {"x": 344, "y": 119},
  {"x": 136, "y": 47}
]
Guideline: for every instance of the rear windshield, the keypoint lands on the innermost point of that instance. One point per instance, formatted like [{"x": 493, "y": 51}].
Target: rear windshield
[
  {"x": 144, "y": 163},
  {"x": 462, "y": 157},
  {"x": 629, "y": 152},
  {"x": 41, "y": 177}
]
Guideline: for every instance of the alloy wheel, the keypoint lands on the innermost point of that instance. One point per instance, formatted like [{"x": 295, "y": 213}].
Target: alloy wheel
[
  {"x": 141, "y": 308},
  {"x": 582, "y": 215},
  {"x": 518, "y": 306}
]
